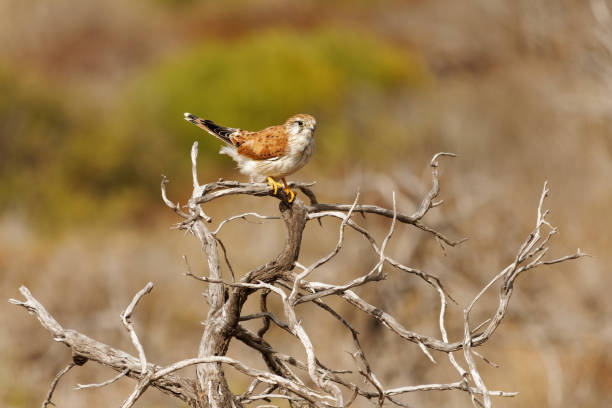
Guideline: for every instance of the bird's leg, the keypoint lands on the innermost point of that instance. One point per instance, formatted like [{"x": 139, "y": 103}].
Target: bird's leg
[
  {"x": 274, "y": 184},
  {"x": 288, "y": 191}
]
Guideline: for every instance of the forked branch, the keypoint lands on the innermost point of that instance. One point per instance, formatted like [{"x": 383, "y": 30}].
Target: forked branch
[{"x": 309, "y": 382}]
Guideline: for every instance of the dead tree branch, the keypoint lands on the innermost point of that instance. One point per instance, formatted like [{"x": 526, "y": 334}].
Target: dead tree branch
[
  {"x": 322, "y": 386},
  {"x": 104, "y": 354}
]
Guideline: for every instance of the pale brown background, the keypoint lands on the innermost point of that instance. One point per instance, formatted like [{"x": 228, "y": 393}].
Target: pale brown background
[{"x": 90, "y": 116}]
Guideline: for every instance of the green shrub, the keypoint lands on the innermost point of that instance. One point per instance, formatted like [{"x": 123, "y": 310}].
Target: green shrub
[
  {"x": 61, "y": 162},
  {"x": 262, "y": 80}
]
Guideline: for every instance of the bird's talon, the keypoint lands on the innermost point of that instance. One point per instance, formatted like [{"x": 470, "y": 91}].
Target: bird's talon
[
  {"x": 291, "y": 194},
  {"x": 274, "y": 184}
]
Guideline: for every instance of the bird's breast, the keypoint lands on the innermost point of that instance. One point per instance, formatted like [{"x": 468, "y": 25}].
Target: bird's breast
[{"x": 301, "y": 148}]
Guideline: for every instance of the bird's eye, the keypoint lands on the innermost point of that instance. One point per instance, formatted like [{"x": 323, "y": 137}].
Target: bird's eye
[{"x": 299, "y": 123}]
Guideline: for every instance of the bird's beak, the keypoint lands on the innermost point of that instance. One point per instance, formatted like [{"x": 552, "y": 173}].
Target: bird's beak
[{"x": 312, "y": 127}]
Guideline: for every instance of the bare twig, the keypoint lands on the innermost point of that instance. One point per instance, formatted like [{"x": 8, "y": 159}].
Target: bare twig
[
  {"x": 325, "y": 259},
  {"x": 426, "y": 204},
  {"x": 299, "y": 332},
  {"x": 126, "y": 318},
  {"x": 54, "y": 383},
  {"x": 244, "y": 217},
  {"x": 374, "y": 274},
  {"x": 174, "y": 207},
  {"x": 102, "y": 384},
  {"x": 140, "y": 388},
  {"x": 226, "y": 258},
  {"x": 145, "y": 381},
  {"x": 459, "y": 385},
  {"x": 262, "y": 376}
]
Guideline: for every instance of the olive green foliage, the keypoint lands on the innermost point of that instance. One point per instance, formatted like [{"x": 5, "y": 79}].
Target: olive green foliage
[
  {"x": 264, "y": 79},
  {"x": 34, "y": 126},
  {"x": 90, "y": 164},
  {"x": 59, "y": 164}
]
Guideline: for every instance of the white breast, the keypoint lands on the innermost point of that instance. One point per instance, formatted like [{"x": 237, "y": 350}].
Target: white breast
[{"x": 301, "y": 150}]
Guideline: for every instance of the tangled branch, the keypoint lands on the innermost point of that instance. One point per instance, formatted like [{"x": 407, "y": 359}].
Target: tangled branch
[{"x": 284, "y": 276}]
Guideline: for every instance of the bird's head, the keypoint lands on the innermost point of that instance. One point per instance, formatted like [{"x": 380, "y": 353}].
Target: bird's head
[{"x": 301, "y": 123}]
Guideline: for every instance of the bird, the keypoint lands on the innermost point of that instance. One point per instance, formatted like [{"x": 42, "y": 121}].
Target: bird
[{"x": 269, "y": 154}]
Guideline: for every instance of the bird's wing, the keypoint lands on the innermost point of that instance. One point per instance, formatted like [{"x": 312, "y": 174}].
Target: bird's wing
[
  {"x": 226, "y": 134},
  {"x": 266, "y": 144}
]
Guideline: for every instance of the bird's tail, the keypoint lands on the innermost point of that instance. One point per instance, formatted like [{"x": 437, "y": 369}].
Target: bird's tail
[{"x": 220, "y": 132}]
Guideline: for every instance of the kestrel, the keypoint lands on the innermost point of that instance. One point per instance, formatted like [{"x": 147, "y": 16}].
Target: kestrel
[{"x": 272, "y": 153}]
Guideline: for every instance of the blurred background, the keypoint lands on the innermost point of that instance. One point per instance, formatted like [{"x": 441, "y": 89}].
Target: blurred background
[{"x": 92, "y": 97}]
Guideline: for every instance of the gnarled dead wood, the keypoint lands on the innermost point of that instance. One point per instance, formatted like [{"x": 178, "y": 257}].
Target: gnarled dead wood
[{"x": 279, "y": 277}]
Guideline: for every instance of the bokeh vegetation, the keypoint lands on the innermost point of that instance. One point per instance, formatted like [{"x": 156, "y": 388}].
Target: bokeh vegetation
[
  {"x": 91, "y": 101},
  {"x": 75, "y": 163}
]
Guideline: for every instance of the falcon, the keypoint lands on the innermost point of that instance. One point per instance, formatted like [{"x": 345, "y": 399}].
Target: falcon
[{"x": 269, "y": 154}]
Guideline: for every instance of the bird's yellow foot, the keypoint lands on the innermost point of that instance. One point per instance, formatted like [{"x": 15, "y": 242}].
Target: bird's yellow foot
[
  {"x": 288, "y": 191},
  {"x": 274, "y": 184}
]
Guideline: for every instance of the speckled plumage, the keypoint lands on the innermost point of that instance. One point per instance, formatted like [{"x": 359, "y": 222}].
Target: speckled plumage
[{"x": 276, "y": 151}]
